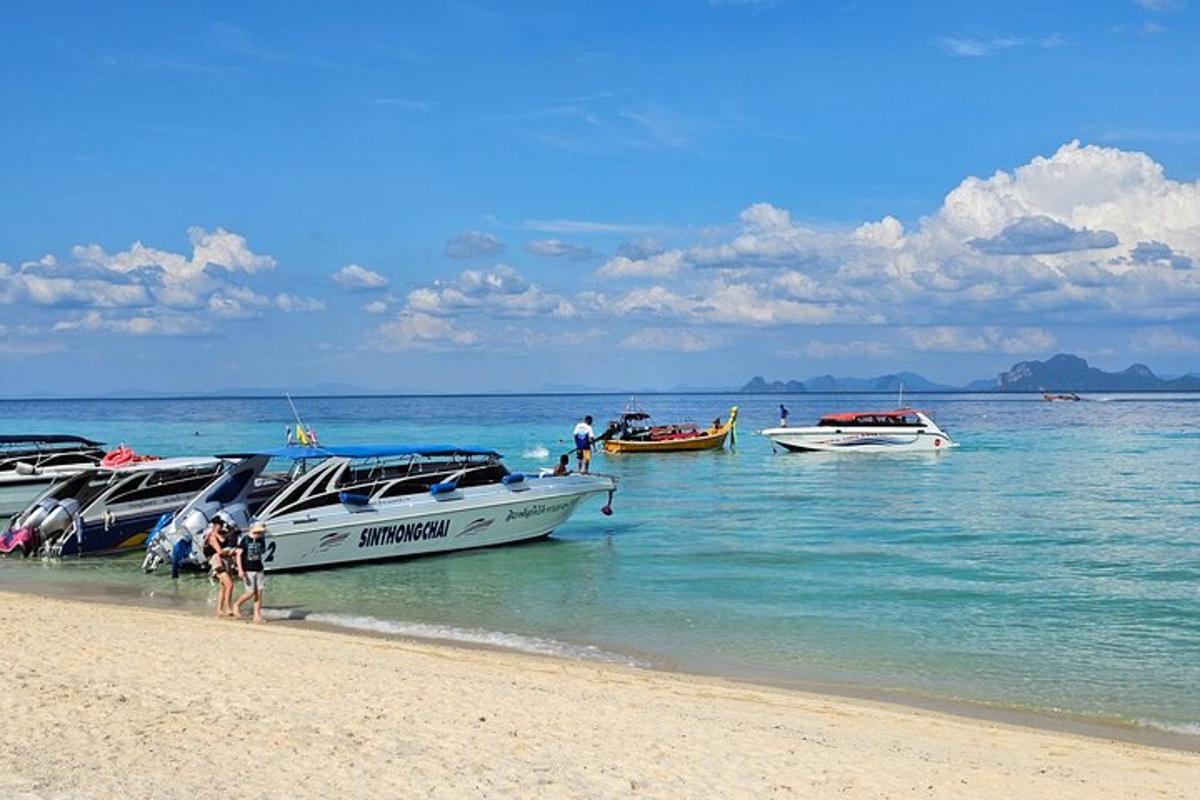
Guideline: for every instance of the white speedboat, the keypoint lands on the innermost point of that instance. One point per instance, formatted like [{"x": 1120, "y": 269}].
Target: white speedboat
[
  {"x": 900, "y": 430},
  {"x": 344, "y": 505},
  {"x": 106, "y": 509},
  {"x": 30, "y": 463}
]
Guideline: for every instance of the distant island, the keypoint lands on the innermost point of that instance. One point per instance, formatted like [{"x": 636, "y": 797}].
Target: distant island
[{"x": 1063, "y": 372}]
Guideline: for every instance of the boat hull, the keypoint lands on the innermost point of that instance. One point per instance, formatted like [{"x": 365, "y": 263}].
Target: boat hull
[
  {"x": 466, "y": 520},
  {"x": 712, "y": 441},
  {"x": 866, "y": 440}
]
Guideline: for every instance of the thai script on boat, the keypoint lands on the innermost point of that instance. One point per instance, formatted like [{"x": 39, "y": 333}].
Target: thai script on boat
[
  {"x": 404, "y": 532},
  {"x": 536, "y": 510}
]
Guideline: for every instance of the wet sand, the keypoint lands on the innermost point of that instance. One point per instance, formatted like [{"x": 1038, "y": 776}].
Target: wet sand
[{"x": 104, "y": 701}]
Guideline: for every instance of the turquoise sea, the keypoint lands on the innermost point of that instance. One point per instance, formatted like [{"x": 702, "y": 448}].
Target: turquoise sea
[{"x": 1050, "y": 563}]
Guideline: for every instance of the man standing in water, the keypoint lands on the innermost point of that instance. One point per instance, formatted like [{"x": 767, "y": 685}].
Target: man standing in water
[
  {"x": 783, "y": 414},
  {"x": 584, "y": 438},
  {"x": 250, "y": 552}
]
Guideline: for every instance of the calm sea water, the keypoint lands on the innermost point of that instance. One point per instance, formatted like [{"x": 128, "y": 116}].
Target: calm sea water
[{"x": 1052, "y": 562}]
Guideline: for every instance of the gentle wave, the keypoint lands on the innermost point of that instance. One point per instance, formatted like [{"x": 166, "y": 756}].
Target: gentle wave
[
  {"x": 537, "y": 645},
  {"x": 1188, "y": 728},
  {"x": 538, "y": 452}
]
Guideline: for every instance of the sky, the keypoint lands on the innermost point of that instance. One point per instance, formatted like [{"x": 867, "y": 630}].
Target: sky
[{"x": 535, "y": 196}]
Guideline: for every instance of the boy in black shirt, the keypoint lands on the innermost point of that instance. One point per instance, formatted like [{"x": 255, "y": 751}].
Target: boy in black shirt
[{"x": 249, "y": 554}]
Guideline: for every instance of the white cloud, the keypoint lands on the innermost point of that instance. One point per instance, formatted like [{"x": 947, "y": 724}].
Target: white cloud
[
  {"x": 357, "y": 278},
  {"x": 412, "y": 330},
  {"x": 948, "y": 339},
  {"x": 678, "y": 340},
  {"x": 857, "y": 348},
  {"x": 376, "y": 307},
  {"x": 170, "y": 324},
  {"x": 556, "y": 248},
  {"x": 293, "y": 303},
  {"x": 659, "y": 265},
  {"x": 158, "y": 292},
  {"x": 500, "y": 290},
  {"x": 1160, "y": 340},
  {"x": 473, "y": 244}
]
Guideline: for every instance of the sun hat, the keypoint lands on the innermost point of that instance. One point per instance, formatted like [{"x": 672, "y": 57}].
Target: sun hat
[{"x": 258, "y": 527}]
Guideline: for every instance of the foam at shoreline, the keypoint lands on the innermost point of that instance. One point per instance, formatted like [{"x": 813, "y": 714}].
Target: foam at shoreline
[{"x": 536, "y": 645}]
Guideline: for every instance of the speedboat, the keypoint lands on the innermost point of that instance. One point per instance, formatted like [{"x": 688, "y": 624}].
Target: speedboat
[
  {"x": 345, "y": 505},
  {"x": 900, "y": 430},
  {"x": 30, "y": 463},
  {"x": 1070, "y": 397},
  {"x": 633, "y": 433},
  {"x": 106, "y": 509}
]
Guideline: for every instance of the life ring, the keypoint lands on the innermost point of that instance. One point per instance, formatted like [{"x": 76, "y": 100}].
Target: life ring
[
  {"x": 122, "y": 456},
  {"x": 115, "y": 458},
  {"x": 937, "y": 442}
]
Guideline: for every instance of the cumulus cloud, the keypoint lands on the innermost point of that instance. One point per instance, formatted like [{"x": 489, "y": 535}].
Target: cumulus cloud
[
  {"x": 356, "y": 278},
  {"x": 473, "y": 244},
  {"x": 144, "y": 290},
  {"x": 659, "y": 265},
  {"x": 1041, "y": 234},
  {"x": 376, "y": 307},
  {"x": 413, "y": 330},
  {"x": 1159, "y": 253},
  {"x": 500, "y": 291},
  {"x": 556, "y": 248},
  {"x": 1086, "y": 234}
]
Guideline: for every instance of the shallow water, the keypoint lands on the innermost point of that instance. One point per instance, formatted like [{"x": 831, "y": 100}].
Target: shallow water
[{"x": 1051, "y": 562}]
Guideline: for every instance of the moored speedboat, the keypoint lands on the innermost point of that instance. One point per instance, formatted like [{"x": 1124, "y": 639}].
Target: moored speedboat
[
  {"x": 30, "y": 463},
  {"x": 374, "y": 502},
  {"x": 106, "y": 509},
  {"x": 899, "y": 430},
  {"x": 633, "y": 433}
]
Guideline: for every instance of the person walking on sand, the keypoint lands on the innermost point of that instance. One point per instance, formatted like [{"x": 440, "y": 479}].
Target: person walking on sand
[
  {"x": 215, "y": 554},
  {"x": 250, "y": 552},
  {"x": 585, "y": 437}
]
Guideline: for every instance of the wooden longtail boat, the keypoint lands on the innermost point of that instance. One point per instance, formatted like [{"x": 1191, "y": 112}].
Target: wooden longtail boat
[{"x": 633, "y": 433}]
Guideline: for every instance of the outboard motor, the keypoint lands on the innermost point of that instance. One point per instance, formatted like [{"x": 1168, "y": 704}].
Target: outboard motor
[
  {"x": 34, "y": 516},
  {"x": 59, "y": 519}
]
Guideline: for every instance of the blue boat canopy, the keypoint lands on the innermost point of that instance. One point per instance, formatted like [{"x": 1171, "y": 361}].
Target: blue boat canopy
[{"x": 297, "y": 452}]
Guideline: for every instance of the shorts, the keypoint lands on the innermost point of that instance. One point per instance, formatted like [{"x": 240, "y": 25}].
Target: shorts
[
  {"x": 217, "y": 562},
  {"x": 255, "y": 581},
  {"x": 584, "y": 455}
]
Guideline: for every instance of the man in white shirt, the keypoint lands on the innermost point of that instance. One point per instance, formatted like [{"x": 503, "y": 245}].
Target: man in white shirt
[{"x": 584, "y": 438}]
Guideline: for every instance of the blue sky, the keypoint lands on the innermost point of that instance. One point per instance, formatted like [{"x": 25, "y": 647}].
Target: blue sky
[{"x": 470, "y": 196}]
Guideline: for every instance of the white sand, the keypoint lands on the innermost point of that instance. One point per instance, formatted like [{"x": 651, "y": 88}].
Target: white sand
[{"x": 105, "y": 701}]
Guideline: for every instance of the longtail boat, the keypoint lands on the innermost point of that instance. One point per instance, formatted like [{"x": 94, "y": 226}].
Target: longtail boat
[{"x": 633, "y": 433}]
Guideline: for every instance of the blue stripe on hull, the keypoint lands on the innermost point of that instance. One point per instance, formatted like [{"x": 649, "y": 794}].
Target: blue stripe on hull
[{"x": 98, "y": 540}]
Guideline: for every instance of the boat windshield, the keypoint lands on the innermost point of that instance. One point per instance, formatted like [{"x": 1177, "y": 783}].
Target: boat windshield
[
  {"x": 322, "y": 484},
  {"x": 873, "y": 419}
]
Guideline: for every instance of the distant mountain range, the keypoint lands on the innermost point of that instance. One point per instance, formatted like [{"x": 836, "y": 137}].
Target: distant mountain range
[
  {"x": 1062, "y": 373},
  {"x": 1071, "y": 373}
]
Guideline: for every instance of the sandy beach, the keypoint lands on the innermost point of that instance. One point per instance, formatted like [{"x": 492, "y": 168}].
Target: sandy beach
[{"x": 110, "y": 701}]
